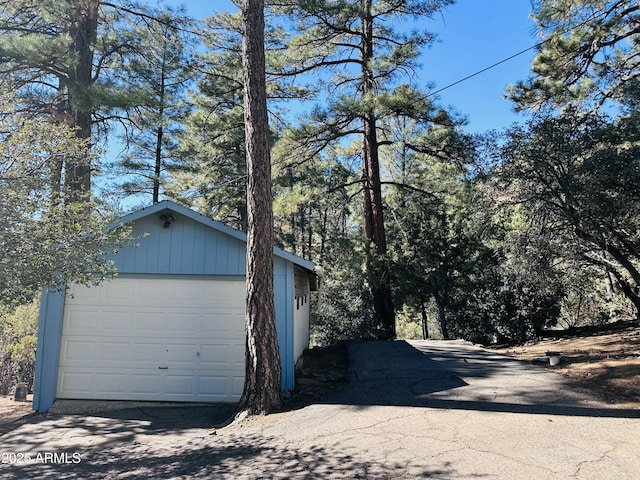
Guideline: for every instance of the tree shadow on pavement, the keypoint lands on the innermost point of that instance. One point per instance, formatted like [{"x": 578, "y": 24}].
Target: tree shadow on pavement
[
  {"x": 460, "y": 376},
  {"x": 234, "y": 456}
]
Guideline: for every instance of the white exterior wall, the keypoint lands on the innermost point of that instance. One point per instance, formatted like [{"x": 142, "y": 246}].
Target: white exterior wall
[
  {"x": 301, "y": 322},
  {"x": 301, "y": 310}
]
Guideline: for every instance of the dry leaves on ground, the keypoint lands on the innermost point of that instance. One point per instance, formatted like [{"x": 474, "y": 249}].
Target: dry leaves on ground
[{"x": 606, "y": 362}]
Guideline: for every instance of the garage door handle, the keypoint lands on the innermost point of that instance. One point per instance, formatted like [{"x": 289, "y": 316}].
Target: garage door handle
[{"x": 163, "y": 368}]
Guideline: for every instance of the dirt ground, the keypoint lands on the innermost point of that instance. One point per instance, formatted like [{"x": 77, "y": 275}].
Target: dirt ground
[
  {"x": 11, "y": 411},
  {"x": 604, "y": 361}
]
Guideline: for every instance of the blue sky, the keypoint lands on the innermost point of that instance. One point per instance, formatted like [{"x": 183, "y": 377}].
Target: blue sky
[{"x": 472, "y": 35}]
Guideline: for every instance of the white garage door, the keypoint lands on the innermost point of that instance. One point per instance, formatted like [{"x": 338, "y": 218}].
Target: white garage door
[{"x": 154, "y": 339}]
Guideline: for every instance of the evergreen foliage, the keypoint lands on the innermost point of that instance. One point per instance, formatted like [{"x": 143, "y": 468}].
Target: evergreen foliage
[
  {"x": 491, "y": 238},
  {"x": 578, "y": 176},
  {"x": 43, "y": 240},
  {"x": 590, "y": 53},
  {"x": 358, "y": 56},
  {"x": 157, "y": 69},
  {"x": 212, "y": 144}
]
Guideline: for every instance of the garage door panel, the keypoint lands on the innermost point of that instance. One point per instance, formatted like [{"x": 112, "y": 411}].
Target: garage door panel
[
  {"x": 145, "y": 383},
  {"x": 212, "y": 385},
  {"x": 121, "y": 291},
  {"x": 111, "y": 382},
  {"x": 179, "y": 383},
  {"x": 184, "y": 324},
  {"x": 115, "y": 321},
  {"x": 179, "y": 353},
  {"x": 81, "y": 320},
  {"x": 237, "y": 385},
  {"x": 215, "y": 387},
  {"x": 184, "y": 293},
  {"x": 147, "y": 321},
  {"x": 220, "y": 355},
  {"x": 227, "y": 291},
  {"x": 77, "y": 351},
  {"x": 82, "y": 295},
  {"x": 120, "y": 341},
  {"x": 153, "y": 292},
  {"x": 143, "y": 353},
  {"x": 228, "y": 324},
  {"x": 114, "y": 352},
  {"x": 78, "y": 382}
]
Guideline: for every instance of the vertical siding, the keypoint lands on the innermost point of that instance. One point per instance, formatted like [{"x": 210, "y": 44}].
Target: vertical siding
[
  {"x": 283, "y": 296},
  {"x": 186, "y": 247},
  {"x": 197, "y": 244},
  {"x": 222, "y": 256},
  {"x": 177, "y": 245}
]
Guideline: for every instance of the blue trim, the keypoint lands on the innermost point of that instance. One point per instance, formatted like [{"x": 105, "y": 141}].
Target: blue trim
[
  {"x": 184, "y": 276},
  {"x": 48, "y": 350},
  {"x": 301, "y": 262},
  {"x": 281, "y": 314}
]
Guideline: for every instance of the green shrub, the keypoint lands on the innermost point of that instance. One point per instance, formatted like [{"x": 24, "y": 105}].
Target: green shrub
[
  {"x": 345, "y": 312},
  {"x": 408, "y": 324},
  {"x": 18, "y": 338}
]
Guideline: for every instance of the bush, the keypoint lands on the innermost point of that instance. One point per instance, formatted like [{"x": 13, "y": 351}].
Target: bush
[
  {"x": 345, "y": 312},
  {"x": 408, "y": 324},
  {"x": 18, "y": 339}
]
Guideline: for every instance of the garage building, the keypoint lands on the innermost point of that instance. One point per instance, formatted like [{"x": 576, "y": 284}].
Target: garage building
[{"x": 170, "y": 325}]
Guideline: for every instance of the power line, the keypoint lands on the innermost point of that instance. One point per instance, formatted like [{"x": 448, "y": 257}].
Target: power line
[
  {"x": 567, "y": 30},
  {"x": 504, "y": 60},
  {"x": 485, "y": 69}
]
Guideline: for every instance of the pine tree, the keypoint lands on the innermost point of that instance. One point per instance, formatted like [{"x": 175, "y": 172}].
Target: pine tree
[
  {"x": 212, "y": 145},
  {"x": 263, "y": 378},
  {"x": 358, "y": 43},
  {"x": 159, "y": 67},
  {"x": 44, "y": 241},
  {"x": 47, "y": 53},
  {"x": 428, "y": 198},
  {"x": 59, "y": 59},
  {"x": 589, "y": 54}
]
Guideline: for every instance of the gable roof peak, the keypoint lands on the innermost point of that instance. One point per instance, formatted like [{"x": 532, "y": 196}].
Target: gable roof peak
[{"x": 177, "y": 208}]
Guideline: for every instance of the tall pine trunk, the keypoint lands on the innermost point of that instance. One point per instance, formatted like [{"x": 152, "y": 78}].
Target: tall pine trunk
[
  {"x": 83, "y": 32},
  {"x": 376, "y": 244},
  {"x": 263, "y": 374},
  {"x": 157, "y": 171}
]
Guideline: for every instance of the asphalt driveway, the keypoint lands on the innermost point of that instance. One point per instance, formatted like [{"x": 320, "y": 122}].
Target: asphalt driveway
[{"x": 411, "y": 410}]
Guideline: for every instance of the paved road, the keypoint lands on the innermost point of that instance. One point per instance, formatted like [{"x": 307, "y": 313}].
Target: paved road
[{"x": 421, "y": 410}]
